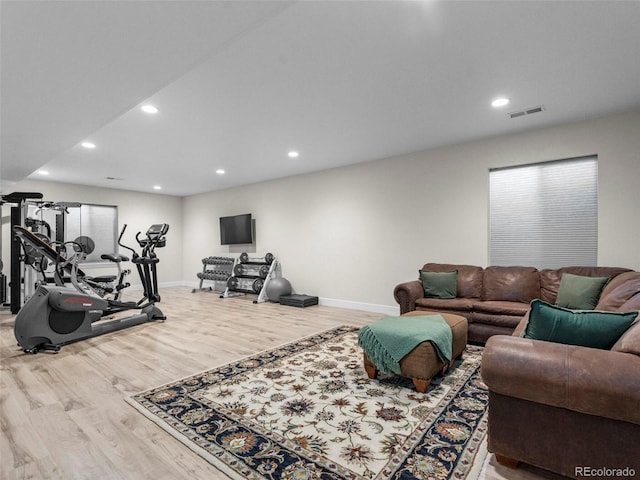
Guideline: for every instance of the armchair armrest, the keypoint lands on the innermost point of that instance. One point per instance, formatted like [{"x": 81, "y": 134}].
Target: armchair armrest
[
  {"x": 585, "y": 380},
  {"x": 406, "y": 295}
]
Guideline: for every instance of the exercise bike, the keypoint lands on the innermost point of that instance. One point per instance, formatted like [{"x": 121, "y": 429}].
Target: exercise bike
[{"x": 56, "y": 315}]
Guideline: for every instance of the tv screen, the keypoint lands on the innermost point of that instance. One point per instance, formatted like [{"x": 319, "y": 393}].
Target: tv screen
[{"x": 236, "y": 229}]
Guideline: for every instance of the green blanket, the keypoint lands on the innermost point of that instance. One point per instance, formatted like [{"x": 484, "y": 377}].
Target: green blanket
[{"x": 388, "y": 340}]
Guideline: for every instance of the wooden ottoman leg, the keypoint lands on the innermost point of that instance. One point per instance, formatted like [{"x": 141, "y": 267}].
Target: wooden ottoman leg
[
  {"x": 372, "y": 372},
  {"x": 421, "y": 385},
  {"x": 507, "y": 461}
]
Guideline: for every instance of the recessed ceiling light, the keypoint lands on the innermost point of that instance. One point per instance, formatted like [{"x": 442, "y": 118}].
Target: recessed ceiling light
[
  {"x": 149, "y": 109},
  {"x": 220, "y": 171},
  {"x": 293, "y": 154},
  {"x": 43, "y": 172},
  {"x": 88, "y": 145},
  {"x": 157, "y": 187},
  {"x": 500, "y": 102}
]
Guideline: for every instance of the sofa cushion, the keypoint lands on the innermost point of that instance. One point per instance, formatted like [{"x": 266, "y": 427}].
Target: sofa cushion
[
  {"x": 619, "y": 290},
  {"x": 500, "y": 307},
  {"x": 513, "y": 284},
  {"x": 550, "y": 279},
  {"x": 595, "y": 271},
  {"x": 439, "y": 284},
  {"x": 588, "y": 328},
  {"x": 632, "y": 304},
  {"x": 549, "y": 284},
  {"x": 468, "y": 281},
  {"x": 493, "y": 319},
  {"x": 629, "y": 342},
  {"x": 580, "y": 292},
  {"x": 462, "y": 304}
]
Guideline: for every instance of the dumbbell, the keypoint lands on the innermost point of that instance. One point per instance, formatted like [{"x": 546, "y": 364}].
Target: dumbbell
[
  {"x": 213, "y": 275},
  {"x": 245, "y": 284},
  {"x": 255, "y": 270},
  {"x": 268, "y": 258},
  {"x": 217, "y": 261}
]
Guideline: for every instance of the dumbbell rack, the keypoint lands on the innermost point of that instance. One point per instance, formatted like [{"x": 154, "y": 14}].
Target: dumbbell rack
[
  {"x": 217, "y": 270},
  {"x": 251, "y": 276}
]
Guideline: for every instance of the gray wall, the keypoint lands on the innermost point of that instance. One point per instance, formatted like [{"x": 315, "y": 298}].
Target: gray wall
[{"x": 349, "y": 235}]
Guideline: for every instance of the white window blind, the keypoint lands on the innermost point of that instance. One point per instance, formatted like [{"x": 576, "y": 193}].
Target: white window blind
[
  {"x": 544, "y": 215},
  {"x": 100, "y": 223}
]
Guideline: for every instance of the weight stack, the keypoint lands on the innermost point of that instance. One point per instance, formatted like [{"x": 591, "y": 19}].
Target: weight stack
[{"x": 298, "y": 300}]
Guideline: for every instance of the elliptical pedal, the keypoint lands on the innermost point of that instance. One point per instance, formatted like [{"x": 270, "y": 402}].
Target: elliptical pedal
[{"x": 47, "y": 347}]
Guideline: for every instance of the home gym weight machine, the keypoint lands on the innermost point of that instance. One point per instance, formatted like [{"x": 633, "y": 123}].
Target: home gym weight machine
[
  {"x": 40, "y": 255},
  {"x": 28, "y": 210},
  {"x": 18, "y": 200},
  {"x": 106, "y": 286},
  {"x": 56, "y": 316}
]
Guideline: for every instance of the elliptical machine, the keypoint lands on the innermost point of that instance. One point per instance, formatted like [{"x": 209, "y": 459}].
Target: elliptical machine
[{"x": 55, "y": 316}]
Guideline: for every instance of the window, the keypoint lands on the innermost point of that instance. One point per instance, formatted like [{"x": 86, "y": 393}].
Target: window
[
  {"x": 66, "y": 221},
  {"x": 98, "y": 222},
  {"x": 544, "y": 215}
]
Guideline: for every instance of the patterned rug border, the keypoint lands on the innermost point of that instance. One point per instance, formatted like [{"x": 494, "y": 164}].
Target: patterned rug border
[{"x": 475, "y": 458}]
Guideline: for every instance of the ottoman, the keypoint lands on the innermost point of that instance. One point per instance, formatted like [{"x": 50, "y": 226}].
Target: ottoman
[{"x": 421, "y": 364}]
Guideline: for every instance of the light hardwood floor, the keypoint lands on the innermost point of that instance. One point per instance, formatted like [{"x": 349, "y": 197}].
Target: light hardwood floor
[{"x": 63, "y": 415}]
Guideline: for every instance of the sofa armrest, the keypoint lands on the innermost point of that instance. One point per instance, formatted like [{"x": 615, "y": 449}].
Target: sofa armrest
[
  {"x": 406, "y": 295},
  {"x": 585, "y": 380},
  {"x": 522, "y": 325}
]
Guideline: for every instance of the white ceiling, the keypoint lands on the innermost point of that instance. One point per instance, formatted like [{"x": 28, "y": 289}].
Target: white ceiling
[{"x": 239, "y": 83}]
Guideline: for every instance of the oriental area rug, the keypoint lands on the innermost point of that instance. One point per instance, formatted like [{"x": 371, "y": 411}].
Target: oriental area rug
[{"x": 307, "y": 410}]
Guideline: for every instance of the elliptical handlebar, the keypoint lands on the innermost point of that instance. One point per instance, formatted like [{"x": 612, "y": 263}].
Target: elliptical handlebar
[
  {"x": 155, "y": 237},
  {"x": 133, "y": 252}
]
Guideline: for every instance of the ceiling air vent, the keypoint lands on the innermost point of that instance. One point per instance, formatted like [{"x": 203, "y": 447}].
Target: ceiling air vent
[{"x": 526, "y": 111}]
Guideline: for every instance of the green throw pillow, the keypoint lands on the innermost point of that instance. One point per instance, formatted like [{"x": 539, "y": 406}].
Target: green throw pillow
[
  {"x": 439, "y": 284},
  {"x": 580, "y": 292},
  {"x": 588, "y": 328}
]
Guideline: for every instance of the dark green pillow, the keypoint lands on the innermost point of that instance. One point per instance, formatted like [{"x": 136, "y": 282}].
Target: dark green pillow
[
  {"x": 439, "y": 284},
  {"x": 588, "y": 328},
  {"x": 579, "y": 292}
]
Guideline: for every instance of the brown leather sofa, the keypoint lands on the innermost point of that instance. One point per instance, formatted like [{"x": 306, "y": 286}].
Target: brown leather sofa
[
  {"x": 495, "y": 299},
  {"x": 568, "y": 409}
]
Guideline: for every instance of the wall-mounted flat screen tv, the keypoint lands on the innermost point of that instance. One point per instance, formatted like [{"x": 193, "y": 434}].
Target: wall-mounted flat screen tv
[{"x": 236, "y": 229}]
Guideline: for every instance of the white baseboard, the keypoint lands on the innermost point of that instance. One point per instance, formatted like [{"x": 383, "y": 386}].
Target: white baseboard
[
  {"x": 389, "y": 310},
  {"x": 178, "y": 283},
  {"x": 366, "y": 307}
]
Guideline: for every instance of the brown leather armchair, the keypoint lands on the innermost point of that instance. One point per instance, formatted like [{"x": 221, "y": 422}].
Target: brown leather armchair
[{"x": 567, "y": 408}]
